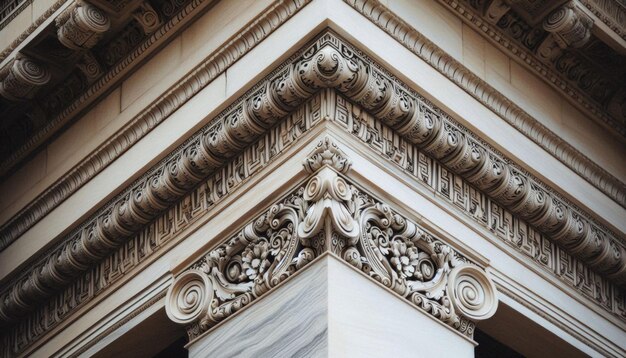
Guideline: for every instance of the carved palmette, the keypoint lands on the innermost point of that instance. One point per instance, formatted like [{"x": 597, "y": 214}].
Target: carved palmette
[{"x": 328, "y": 214}]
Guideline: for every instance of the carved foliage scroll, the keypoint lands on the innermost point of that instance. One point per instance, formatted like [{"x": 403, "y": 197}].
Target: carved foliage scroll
[{"x": 328, "y": 214}]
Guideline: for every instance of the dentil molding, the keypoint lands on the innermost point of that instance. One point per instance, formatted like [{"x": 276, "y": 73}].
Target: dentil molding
[{"x": 329, "y": 214}]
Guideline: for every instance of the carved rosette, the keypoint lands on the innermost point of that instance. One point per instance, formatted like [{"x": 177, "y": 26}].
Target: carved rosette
[
  {"x": 189, "y": 297},
  {"x": 81, "y": 26},
  {"x": 328, "y": 214},
  {"x": 21, "y": 79},
  {"x": 473, "y": 294}
]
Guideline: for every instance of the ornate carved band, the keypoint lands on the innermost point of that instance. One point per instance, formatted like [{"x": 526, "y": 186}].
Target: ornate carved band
[
  {"x": 329, "y": 214},
  {"x": 328, "y": 63}
]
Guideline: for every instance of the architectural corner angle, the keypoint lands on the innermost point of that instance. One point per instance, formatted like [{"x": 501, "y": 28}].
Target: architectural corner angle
[
  {"x": 327, "y": 80},
  {"x": 330, "y": 215}
]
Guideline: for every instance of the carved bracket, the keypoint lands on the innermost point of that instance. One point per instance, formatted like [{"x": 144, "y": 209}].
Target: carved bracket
[
  {"x": 22, "y": 78},
  {"x": 147, "y": 17},
  {"x": 568, "y": 27},
  {"x": 81, "y": 26},
  {"x": 328, "y": 214}
]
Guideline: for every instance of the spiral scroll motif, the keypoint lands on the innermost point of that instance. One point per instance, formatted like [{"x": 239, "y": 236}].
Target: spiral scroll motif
[
  {"x": 188, "y": 297},
  {"x": 473, "y": 294}
]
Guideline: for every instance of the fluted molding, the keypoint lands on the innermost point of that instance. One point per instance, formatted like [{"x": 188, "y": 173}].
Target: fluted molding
[
  {"x": 22, "y": 78},
  {"x": 328, "y": 214},
  {"x": 328, "y": 63}
]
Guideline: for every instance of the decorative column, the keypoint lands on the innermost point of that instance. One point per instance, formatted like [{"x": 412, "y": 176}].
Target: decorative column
[{"x": 327, "y": 257}]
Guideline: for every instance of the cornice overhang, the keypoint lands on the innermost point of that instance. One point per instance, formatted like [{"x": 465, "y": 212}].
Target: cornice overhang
[
  {"x": 328, "y": 63},
  {"x": 558, "y": 41},
  {"x": 273, "y": 17},
  {"x": 74, "y": 54}
]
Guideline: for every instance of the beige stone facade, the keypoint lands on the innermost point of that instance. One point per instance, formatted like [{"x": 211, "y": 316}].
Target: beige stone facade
[{"x": 312, "y": 178}]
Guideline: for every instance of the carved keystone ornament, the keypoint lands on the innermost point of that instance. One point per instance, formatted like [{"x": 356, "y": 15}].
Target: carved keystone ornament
[{"x": 328, "y": 214}]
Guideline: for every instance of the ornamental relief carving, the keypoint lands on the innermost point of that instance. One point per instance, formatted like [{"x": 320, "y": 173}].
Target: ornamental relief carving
[
  {"x": 328, "y": 214},
  {"x": 551, "y": 37},
  {"x": 121, "y": 234}
]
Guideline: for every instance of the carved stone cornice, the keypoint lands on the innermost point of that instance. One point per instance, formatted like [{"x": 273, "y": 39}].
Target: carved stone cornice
[
  {"x": 330, "y": 215},
  {"x": 415, "y": 42},
  {"x": 595, "y": 86},
  {"x": 328, "y": 63},
  {"x": 195, "y": 81},
  {"x": 199, "y": 205}
]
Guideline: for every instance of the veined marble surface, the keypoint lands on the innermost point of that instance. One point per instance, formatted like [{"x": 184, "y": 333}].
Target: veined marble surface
[
  {"x": 292, "y": 321},
  {"x": 330, "y": 310}
]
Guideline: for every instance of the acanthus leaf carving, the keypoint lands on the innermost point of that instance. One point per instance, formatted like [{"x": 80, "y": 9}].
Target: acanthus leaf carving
[{"x": 385, "y": 246}]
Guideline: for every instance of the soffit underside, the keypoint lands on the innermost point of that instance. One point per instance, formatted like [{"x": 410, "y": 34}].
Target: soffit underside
[
  {"x": 68, "y": 63},
  {"x": 559, "y": 41}
]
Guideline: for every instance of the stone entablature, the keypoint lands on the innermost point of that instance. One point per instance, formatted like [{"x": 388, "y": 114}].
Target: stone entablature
[
  {"x": 529, "y": 126},
  {"x": 328, "y": 63}
]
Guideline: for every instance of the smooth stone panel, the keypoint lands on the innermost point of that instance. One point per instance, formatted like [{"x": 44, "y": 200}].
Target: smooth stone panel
[{"x": 366, "y": 320}]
